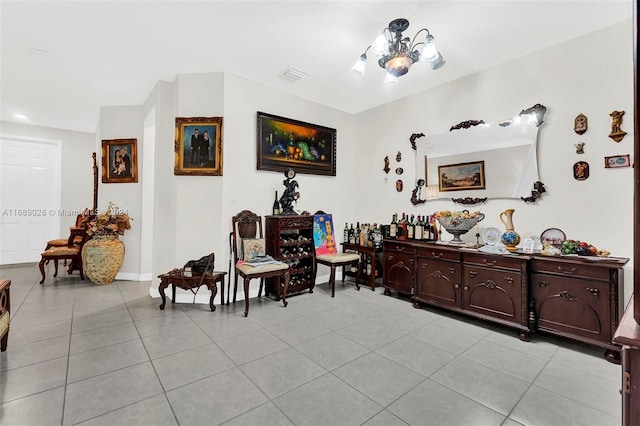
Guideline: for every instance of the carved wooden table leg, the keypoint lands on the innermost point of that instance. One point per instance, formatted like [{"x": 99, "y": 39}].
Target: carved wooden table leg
[
  {"x": 214, "y": 290},
  {"x": 525, "y": 336},
  {"x": 163, "y": 285}
]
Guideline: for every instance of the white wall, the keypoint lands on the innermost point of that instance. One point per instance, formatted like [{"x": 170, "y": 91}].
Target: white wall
[
  {"x": 590, "y": 75},
  {"x": 77, "y": 166}
]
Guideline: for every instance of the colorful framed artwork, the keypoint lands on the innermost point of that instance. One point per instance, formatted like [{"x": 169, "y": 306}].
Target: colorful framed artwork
[
  {"x": 198, "y": 146},
  {"x": 119, "y": 161},
  {"x": 616, "y": 161},
  {"x": 461, "y": 177},
  {"x": 283, "y": 142},
  {"x": 323, "y": 236}
]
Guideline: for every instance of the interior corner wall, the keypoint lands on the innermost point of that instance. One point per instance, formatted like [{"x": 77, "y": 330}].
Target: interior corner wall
[
  {"x": 592, "y": 75},
  {"x": 123, "y": 122},
  {"x": 77, "y": 166}
]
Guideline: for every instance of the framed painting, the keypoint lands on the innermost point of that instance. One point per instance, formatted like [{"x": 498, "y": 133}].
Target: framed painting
[
  {"x": 119, "y": 161},
  {"x": 616, "y": 161},
  {"x": 307, "y": 148},
  {"x": 198, "y": 146},
  {"x": 461, "y": 177}
]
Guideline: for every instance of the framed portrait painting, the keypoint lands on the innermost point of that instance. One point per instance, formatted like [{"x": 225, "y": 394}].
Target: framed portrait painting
[
  {"x": 307, "y": 148},
  {"x": 198, "y": 146},
  {"x": 462, "y": 176},
  {"x": 119, "y": 161}
]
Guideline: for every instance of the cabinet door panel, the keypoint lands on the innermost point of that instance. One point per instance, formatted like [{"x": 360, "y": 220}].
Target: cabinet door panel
[
  {"x": 493, "y": 292},
  {"x": 573, "y": 306},
  {"x": 398, "y": 271},
  {"x": 439, "y": 282}
]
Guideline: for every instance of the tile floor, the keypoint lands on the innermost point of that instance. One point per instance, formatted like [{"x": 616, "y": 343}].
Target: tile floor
[{"x": 98, "y": 355}]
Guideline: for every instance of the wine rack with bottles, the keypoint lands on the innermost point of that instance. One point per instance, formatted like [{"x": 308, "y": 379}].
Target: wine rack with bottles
[{"x": 290, "y": 240}]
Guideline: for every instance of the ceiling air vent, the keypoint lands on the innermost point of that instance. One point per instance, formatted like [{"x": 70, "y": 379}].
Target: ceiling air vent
[{"x": 293, "y": 75}]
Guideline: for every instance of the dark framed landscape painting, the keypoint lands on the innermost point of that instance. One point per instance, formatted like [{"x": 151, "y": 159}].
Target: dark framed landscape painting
[
  {"x": 284, "y": 142},
  {"x": 462, "y": 176}
]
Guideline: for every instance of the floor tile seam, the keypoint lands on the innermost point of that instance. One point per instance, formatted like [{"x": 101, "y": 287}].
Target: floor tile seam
[
  {"x": 359, "y": 391},
  {"x": 602, "y": 377},
  {"x": 17, "y": 309},
  {"x": 381, "y": 411},
  {"x": 572, "y": 398},
  {"x": 325, "y": 368},
  {"x": 105, "y": 346},
  {"x": 373, "y": 349},
  {"x": 124, "y": 406},
  {"x": 582, "y": 404},
  {"x": 33, "y": 363},
  {"x": 542, "y": 357},
  {"x": 31, "y": 394},
  {"x": 97, "y": 328},
  {"x": 251, "y": 409},
  {"x": 170, "y": 329},
  {"x": 259, "y": 358}
]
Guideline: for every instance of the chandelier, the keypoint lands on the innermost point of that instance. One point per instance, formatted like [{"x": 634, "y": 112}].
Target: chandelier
[{"x": 398, "y": 53}]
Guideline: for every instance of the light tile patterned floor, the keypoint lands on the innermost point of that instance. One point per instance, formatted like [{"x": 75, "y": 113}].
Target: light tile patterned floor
[{"x": 97, "y": 355}]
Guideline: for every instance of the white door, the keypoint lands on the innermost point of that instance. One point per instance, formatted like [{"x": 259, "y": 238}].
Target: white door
[{"x": 30, "y": 197}]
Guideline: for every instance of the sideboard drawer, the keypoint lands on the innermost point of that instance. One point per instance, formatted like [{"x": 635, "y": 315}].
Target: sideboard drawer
[
  {"x": 570, "y": 269},
  {"x": 437, "y": 253},
  {"x": 490, "y": 261},
  {"x": 399, "y": 247}
]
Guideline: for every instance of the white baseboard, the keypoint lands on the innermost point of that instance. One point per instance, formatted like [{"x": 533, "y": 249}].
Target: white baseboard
[{"x": 130, "y": 276}]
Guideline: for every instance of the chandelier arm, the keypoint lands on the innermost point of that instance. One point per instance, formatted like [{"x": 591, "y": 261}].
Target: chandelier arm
[{"x": 415, "y": 36}]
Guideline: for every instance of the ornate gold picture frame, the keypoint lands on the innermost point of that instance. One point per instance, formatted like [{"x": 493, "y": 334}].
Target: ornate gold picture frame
[
  {"x": 198, "y": 146},
  {"x": 119, "y": 161}
]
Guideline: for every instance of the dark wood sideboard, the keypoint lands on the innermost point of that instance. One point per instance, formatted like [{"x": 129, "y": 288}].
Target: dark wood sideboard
[{"x": 573, "y": 297}]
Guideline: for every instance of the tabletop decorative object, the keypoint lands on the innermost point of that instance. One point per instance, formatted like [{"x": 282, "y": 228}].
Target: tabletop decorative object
[
  {"x": 458, "y": 223},
  {"x": 510, "y": 237},
  {"x": 290, "y": 194}
]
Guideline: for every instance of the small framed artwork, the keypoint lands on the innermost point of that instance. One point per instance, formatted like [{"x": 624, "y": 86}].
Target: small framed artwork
[
  {"x": 198, "y": 146},
  {"x": 283, "y": 142},
  {"x": 617, "y": 161},
  {"x": 461, "y": 177},
  {"x": 119, "y": 161}
]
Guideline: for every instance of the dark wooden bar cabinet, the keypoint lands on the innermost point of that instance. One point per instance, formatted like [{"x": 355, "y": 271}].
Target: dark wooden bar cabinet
[{"x": 290, "y": 240}]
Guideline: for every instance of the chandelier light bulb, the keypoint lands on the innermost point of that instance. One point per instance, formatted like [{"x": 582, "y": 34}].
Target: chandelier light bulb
[
  {"x": 430, "y": 51},
  {"x": 360, "y": 65},
  {"x": 380, "y": 45},
  {"x": 390, "y": 78}
]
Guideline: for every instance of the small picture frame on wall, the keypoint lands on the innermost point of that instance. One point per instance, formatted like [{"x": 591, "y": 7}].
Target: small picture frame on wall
[
  {"x": 616, "y": 161},
  {"x": 198, "y": 146},
  {"x": 119, "y": 161}
]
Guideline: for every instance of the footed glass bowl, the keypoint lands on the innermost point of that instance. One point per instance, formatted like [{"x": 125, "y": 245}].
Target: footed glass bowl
[{"x": 458, "y": 226}]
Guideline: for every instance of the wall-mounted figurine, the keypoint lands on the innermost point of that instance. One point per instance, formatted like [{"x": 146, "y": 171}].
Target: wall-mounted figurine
[
  {"x": 581, "y": 170},
  {"x": 399, "y": 185},
  {"x": 580, "y": 124},
  {"x": 579, "y": 147},
  {"x": 616, "y": 132},
  {"x": 386, "y": 164},
  {"x": 399, "y": 170},
  {"x": 398, "y": 157},
  {"x": 415, "y": 194}
]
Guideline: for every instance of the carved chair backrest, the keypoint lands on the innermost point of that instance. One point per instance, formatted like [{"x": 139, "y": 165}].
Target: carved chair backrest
[{"x": 246, "y": 224}]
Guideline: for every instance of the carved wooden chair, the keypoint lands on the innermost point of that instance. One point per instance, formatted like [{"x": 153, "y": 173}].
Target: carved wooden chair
[
  {"x": 331, "y": 257},
  {"x": 81, "y": 222},
  {"x": 247, "y": 224},
  {"x": 72, "y": 252}
]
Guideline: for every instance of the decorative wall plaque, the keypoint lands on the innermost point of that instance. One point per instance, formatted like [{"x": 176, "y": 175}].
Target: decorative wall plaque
[
  {"x": 580, "y": 124},
  {"x": 579, "y": 147},
  {"x": 581, "y": 170},
  {"x": 616, "y": 132}
]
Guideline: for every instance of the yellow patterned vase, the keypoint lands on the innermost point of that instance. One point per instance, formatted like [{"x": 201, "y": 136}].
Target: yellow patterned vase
[{"x": 102, "y": 258}]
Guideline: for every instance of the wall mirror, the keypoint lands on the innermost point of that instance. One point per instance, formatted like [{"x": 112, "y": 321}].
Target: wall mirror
[{"x": 476, "y": 161}]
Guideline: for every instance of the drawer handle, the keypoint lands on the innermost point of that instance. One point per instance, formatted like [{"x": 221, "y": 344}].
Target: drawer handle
[
  {"x": 542, "y": 284},
  {"x": 399, "y": 248},
  {"x": 457, "y": 286},
  {"x": 627, "y": 383},
  {"x": 436, "y": 255},
  {"x": 486, "y": 262},
  {"x": 473, "y": 273},
  {"x": 570, "y": 271},
  {"x": 593, "y": 291},
  {"x": 466, "y": 288},
  {"x": 509, "y": 280},
  {"x": 452, "y": 270}
]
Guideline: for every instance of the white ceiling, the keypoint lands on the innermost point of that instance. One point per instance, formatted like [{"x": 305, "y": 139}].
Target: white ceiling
[{"x": 105, "y": 53}]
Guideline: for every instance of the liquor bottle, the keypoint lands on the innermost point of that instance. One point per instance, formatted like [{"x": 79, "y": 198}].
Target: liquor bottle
[
  {"x": 369, "y": 265},
  {"x": 410, "y": 228},
  {"x": 393, "y": 228},
  {"x": 352, "y": 235},
  {"x": 363, "y": 236},
  {"x": 345, "y": 233},
  {"x": 402, "y": 227},
  {"x": 427, "y": 235},
  {"x": 276, "y": 205},
  {"x": 418, "y": 232},
  {"x": 357, "y": 236},
  {"x": 433, "y": 228}
]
